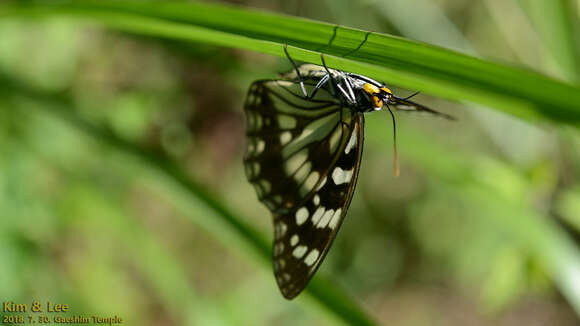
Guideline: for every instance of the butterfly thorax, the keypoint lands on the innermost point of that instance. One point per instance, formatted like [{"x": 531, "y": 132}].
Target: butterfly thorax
[{"x": 359, "y": 93}]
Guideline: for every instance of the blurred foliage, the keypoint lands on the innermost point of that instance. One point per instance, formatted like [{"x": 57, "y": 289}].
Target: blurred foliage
[{"x": 105, "y": 136}]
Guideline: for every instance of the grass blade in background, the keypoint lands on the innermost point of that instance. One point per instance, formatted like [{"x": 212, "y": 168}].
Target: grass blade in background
[
  {"x": 553, "y": 20},
  {"x": 471, "y": 180},
  {"x": 522, "y": 38},
  {"x": 402, "y": 62}
]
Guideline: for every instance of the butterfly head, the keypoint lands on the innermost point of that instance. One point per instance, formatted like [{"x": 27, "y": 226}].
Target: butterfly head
[{"x": 377, "y": 95}]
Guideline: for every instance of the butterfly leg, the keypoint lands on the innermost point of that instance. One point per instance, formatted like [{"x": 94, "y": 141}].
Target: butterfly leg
[
  {"x": 319, "y": 85},
  {"x": 359, "y": 46},
  {"x": 345, "y": 93},
  {"x": 297, "y": 71},
  {"x": 334, "y": 29},
  {"x": 335, "y": 84},
  {"x": 349, "y": 88}
]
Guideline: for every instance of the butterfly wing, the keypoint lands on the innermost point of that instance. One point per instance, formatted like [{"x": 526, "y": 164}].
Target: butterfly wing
[{"x": 303, "y": 158}]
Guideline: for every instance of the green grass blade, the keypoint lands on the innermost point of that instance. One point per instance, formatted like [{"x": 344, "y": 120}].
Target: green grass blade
[{"x": 399, "y": 61}]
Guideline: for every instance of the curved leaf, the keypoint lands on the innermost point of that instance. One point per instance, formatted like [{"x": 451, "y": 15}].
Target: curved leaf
[{"x": 399, "y": 61}]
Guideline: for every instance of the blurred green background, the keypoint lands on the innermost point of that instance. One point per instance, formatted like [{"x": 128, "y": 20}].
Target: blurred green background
[{"x": 481, "y": 228}]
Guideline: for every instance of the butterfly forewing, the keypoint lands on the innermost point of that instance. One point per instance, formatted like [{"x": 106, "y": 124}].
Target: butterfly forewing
[{"x": 302, "y": 158}]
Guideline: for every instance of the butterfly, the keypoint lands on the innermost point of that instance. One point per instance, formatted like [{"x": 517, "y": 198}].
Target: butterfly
[{"x": 305, "y": 135}]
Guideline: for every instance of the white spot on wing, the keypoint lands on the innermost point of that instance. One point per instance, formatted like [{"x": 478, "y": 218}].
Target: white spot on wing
[
  {"x": 280, "y": 230},
  {"x": 301, "y": 215},
  {"x": 311, "y": 257},
  {"x": 294, "y": 240},
  {"x": 299, "y": 251},
  {"x": 351, "y": 142},
  {"x": 285, "y": 137},
  {"x": 325, "y": 218},
  {"x": 335, "y": 218},
  {"x": 322, "y": 183},
  {"x": 310, "y": 182},
  {"x": 335, "y": 139},
  {"x": 317, "y": 215},
  {"x": 278, "y": 248},
  {"x": 260, "y": 146},
  {"x": 340, "y": 176},
  {"x": 316, "y": 200},
  {"x": 251, "y": 146},
  {"x": 295, "y": 161},
  {"x": 302, "y": 172}
]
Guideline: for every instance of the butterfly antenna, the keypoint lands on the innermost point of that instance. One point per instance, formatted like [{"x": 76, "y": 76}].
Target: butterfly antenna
[
  {"x": 296, "y": 69},
  {"x": 396, "y": 155},
  {"x": 410, "y": 96}
]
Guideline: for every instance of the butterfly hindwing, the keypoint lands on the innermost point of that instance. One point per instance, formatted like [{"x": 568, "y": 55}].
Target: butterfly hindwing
[
  {"x": 303, "y": 158},
  {"x": 312, "y": 226}
]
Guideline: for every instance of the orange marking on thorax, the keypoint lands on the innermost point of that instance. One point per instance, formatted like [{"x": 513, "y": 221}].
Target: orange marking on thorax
[
  {"x": 386, "y": 90},
  {"x": 373, "y": 91}
]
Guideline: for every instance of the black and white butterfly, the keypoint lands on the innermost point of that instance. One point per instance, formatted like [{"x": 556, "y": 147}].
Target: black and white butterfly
[{"x": 305, "y": 134}]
